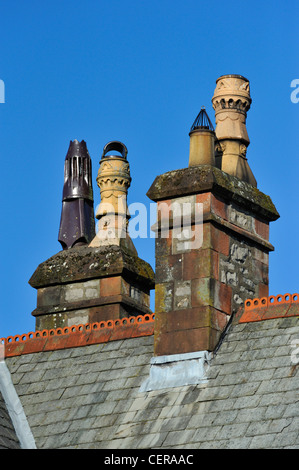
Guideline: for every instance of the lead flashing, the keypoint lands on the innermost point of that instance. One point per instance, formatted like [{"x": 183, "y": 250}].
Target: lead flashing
[{"x": 177, "y": 370}]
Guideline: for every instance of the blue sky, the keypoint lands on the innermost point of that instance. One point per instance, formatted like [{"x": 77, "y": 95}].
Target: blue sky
[{"x": 138, "y": 72}]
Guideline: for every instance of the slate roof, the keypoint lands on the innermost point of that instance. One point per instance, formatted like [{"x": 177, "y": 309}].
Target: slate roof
[
  {"x": 8, "y": 437},
  {"x": 88, "y": 396}
]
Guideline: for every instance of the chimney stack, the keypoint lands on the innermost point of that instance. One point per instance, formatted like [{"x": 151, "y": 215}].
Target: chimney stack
[
  {"x": 105, "y": 279},
  {"x": 200, "y": 285}
]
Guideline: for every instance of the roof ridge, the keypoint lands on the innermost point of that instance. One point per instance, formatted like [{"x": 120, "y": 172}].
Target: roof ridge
[
  {"x": 266, "y": 308},
  {"x": 271, "y": 300},
  {"x": 78, "y": 335}
]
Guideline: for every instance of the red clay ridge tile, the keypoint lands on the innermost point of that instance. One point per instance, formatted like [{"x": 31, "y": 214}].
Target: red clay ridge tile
[
  {"x": 266, "y": 308},
  {"x": 78, "y": 335}
]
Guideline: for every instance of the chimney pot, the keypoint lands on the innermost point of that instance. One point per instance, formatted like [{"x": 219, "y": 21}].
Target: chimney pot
[
  {"x": 77, "y": 226},
  {"x": 202, "y": 141},
  {"x": 231, "y": 101}
]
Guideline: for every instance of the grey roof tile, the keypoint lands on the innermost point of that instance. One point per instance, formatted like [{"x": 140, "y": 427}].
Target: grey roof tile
[
  {"x": 8, "y": 437},
  {"x": 88, "y": 397}
]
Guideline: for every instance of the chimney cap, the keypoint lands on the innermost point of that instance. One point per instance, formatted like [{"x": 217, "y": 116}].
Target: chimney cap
[
  {"x": 202, "y": 121},
  {"x": 115, "y": 145},
  {"x": 241, "y": 77},
  {"x": 77, "y": 149}
]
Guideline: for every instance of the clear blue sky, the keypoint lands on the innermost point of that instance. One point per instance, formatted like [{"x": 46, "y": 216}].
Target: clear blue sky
[{"x": 139, "y": 72}]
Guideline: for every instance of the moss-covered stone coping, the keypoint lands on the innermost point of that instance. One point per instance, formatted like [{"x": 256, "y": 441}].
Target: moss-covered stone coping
[
  {"x": 203, "y": 178},
  {"x": 83, "y": 263}
]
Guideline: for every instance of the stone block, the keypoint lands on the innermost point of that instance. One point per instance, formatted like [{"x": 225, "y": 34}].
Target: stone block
[
  {"x": 261, "y": 228},
  {"x": 260, "y": 255},
  {"x": 261, "y": 273},
  {"x": 163, "y": 244},
  {"x": 110, "y": 286},
  {"x": 183, "y": 341},
  {"x": 204, "y": 199},
  {"x": 239, "y": 253},
  {"x": 48, "y": 296},
  {"x": 125, "y": 287},
  {"x": 164, "y": 209},
  {"x": 92, "y": 289},
  {"x": 164, "y": 297},
  {"x": 169, "y": 268},
  {"x": 47, "y": 322},
  {"x": 241, "y": 218},
  {"x": 77, "y": 317},
  {"x": 219, "y": 207},
  {"x": 80, "y": 291},
  {"x": 182, "y": 295},
  {"x": 186, "y": 239},
  {"x": 208, "y": 291},
  {"x": 215, "y": 239},
  {"x": 201, "y": 263},
  {"x": 263, "y": 290},
  {"x": 191, "y": 318}
]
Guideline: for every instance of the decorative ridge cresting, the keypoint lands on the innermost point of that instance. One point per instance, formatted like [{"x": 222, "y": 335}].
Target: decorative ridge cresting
[
  {"x": 271, "y": 307},
  {"x": 271, "y": 300},
  {"x": 78, "y": 335}
]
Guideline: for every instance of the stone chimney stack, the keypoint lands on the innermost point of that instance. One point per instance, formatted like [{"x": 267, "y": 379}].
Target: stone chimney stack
[
  {"x": 205, "y": 271},
  {"x": 105, "y": 280}
]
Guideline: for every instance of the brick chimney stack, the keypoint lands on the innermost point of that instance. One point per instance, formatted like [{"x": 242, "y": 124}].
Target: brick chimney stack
[{"x": 200, "y": 285}]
